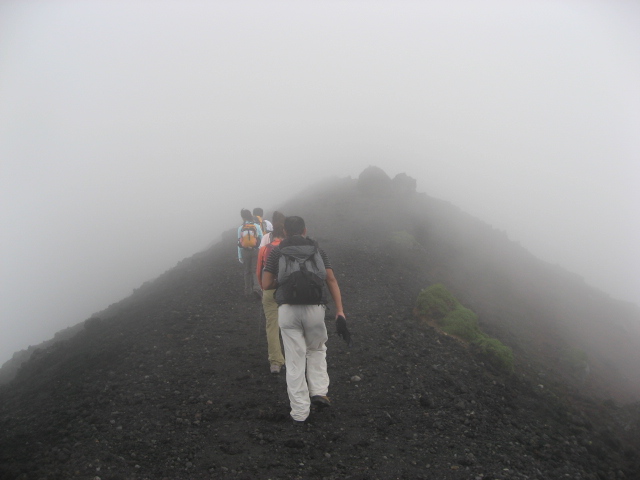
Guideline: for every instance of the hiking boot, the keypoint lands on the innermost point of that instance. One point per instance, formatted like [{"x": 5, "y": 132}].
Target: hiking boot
[
  {"x": 275, "y": 368},
  {"x": 298, "y": 423},
  {"x": 320, "y": 401}
]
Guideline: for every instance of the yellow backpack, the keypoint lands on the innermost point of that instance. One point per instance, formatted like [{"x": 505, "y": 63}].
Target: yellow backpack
[{"x": 263, "y": 225}]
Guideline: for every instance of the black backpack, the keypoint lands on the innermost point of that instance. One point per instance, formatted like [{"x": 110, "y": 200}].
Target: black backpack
[{"x": 301, "y": 276}]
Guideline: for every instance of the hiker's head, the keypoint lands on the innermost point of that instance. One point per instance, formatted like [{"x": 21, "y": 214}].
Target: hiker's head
[
  {"x": 258, "y": 212},
  {"x": 278, "y": 224},
  {"x": 294, "y": 226},
  {"x": 246, "y": 215}
]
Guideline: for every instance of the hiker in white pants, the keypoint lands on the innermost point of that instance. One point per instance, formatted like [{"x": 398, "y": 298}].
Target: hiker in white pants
[
  {"x": 301, "y": 273},
  {"x": 304, "y": 335}
]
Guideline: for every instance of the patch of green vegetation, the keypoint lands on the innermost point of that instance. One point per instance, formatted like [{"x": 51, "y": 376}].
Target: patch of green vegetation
[
  {"x": 404, "y": 240},
  {"x": 436, "y": 302},
  {"x": 462, "y": 323},
  {"x": 496, "y": 352}
]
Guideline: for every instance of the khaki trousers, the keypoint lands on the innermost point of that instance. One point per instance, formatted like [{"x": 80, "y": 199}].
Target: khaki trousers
[{"x": 273, "y": 329}]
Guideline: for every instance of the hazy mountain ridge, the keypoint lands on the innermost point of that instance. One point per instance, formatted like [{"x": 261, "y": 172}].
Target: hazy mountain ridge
[
  {"x": 515, "y": 294},
  {"x": 536, "y": 307},
  {"x": 121, "y": 359},
  {"x": 512, "y": 289}
]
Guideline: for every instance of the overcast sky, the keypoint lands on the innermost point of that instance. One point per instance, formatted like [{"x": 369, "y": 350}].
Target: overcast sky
[{"x": 132, "y": 133}]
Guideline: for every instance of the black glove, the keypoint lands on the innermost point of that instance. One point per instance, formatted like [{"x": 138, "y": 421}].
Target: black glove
[{"x": 343, "y": 331}]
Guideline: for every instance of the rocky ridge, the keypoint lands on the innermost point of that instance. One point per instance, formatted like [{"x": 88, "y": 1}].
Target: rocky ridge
[{"x": 173, "y": 382}]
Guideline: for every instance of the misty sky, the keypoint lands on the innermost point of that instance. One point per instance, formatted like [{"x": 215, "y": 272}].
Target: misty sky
[{"x": 132, "y": 133}]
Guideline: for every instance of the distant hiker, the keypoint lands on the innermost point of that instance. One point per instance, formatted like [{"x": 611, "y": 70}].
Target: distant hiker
[
  {"x": 299, "y": 270},
  {"x": 276, "y": 359},
  {"x": 249, "y": 237},
  {"x": 266, "y": 239},
  {"x": 265, "y": 224}
]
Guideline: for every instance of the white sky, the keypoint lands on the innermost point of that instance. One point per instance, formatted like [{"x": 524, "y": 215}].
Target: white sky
[{"x": 131, "y": 133}]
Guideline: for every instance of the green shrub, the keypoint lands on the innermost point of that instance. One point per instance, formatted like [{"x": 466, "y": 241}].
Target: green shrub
[
  {"x": 436, "y": 302},
  {"x": 404, "y": 240},
  {"x": 496, "y": 352},
  {"x": 462, "y": 323}
]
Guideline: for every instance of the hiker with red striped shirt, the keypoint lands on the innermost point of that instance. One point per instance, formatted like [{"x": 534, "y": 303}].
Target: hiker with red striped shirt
[{"x": 276, "y": 359}]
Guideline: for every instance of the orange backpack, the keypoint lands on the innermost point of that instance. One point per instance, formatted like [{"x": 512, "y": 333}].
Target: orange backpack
[{"x": 248, "y": 236}]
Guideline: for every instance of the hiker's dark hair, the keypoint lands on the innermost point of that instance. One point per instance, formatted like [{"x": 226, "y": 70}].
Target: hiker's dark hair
[
  {"x": 246, "y": 215},
  {"x": 278, "y": 224},
  {"x": 294, "y": 226},
  {"x": 258, "y": 211}
]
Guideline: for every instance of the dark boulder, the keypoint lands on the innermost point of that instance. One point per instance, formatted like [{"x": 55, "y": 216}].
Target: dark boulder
[
  {"x": 404, "y": 184},
  {"x": 373, "y": 180}
]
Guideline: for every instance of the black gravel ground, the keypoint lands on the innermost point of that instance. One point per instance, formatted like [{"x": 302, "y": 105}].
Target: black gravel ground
[{"x": 173, "y": 383}]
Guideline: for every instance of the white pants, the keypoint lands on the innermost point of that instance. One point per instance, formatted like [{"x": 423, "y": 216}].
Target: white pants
[{"x": 304, "y": 335}]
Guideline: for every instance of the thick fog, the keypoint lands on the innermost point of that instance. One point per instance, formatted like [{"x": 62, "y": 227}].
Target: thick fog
[{"x": 132, "y": 133}]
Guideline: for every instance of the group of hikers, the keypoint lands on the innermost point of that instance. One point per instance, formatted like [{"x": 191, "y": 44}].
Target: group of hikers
[{"x": 291, "y": 274}]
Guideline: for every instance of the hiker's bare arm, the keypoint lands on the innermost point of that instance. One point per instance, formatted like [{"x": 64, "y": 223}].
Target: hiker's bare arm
[
  {"x": 334, "y": 289},
  {"x": 268, "y": 281}
]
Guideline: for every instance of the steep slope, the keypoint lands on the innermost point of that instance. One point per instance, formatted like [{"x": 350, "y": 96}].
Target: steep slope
[
  {"x": 173, "y": 382},
  {"x": 542, "y": 311},
  {"x": 539, "y": 309}
]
